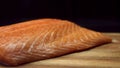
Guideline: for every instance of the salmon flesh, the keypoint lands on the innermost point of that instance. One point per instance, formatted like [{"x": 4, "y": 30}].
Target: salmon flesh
[{"x": 45, "y": 38}]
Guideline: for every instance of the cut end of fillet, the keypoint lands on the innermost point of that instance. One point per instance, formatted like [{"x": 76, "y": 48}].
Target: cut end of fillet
[{"x": 45, "y": 38}]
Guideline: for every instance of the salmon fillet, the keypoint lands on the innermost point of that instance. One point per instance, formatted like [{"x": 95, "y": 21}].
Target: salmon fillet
[{"x": 44, "y": 38}]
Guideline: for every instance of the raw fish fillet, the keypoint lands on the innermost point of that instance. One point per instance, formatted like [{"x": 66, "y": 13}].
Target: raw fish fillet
[{"x": 44, "y": 38}]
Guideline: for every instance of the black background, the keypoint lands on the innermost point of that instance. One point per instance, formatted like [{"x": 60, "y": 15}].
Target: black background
[{"x": 100, "y": 15}]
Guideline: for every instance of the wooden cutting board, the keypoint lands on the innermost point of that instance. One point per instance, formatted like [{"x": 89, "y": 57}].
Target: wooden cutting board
[{"x": 104, "y": 56}]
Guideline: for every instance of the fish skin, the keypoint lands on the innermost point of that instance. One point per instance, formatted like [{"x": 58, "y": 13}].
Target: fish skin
[{"x": 44, "y": 38}]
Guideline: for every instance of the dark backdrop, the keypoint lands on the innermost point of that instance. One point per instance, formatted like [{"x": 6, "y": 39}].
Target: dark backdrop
[{"x": 100, "y": 15}]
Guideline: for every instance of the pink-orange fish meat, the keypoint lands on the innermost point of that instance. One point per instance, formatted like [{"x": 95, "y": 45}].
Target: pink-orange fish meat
[{"x": 44, "y": 38}]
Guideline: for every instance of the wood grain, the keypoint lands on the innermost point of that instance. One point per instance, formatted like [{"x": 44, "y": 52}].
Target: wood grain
[{"x": 104, "y": 56}]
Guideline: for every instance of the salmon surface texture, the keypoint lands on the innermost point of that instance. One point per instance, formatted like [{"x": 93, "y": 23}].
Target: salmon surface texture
[{"x": 44, "y": 38}]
